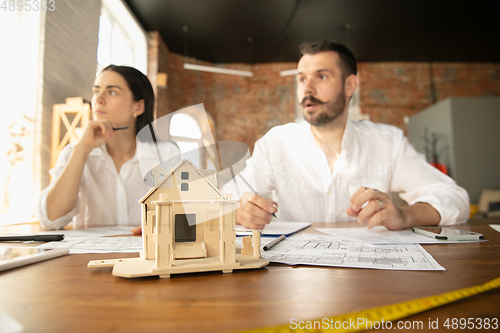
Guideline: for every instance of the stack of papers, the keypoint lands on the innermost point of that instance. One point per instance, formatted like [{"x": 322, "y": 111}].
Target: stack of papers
[
  {"x": 95, "y": 240},
  {"x": 381, "y": 235},
  {"x": 376, "y": 248},
  {"x": 340, "y": 251}
]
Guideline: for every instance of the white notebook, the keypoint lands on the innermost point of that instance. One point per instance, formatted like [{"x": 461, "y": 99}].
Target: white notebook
[{"x": 11, "y": 257}]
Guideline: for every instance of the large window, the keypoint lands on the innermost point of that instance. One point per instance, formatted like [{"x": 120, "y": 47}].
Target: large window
[
  {"x": 185, "y": 131},
  {"x": 19, "y": 93},
  {"x": 192, "y": 132},
  {"x": 122, "y": 41}
]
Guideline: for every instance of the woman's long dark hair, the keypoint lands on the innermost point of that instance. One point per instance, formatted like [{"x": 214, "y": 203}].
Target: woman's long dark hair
[{"x": 141, "y": 88}]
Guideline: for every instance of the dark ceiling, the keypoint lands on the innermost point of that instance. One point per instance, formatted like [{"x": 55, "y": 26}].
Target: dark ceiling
[{"x": 218, "y": 31}]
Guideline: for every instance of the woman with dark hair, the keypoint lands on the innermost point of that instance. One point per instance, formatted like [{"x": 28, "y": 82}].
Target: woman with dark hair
[{"x": 97, "y": 181}]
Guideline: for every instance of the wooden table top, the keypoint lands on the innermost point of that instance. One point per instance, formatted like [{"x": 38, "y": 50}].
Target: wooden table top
[{"x": 62, "y": 295}]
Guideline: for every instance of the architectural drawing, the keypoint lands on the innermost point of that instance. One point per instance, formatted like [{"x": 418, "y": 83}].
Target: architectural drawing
[{"x": 339, "y": 251}]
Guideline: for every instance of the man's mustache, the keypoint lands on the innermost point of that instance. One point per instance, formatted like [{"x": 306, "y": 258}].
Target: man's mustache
[{"x": 312, "y": 99}]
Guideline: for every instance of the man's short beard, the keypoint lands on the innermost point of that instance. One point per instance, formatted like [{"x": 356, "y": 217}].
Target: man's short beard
[{"x": 332, "y": 112}]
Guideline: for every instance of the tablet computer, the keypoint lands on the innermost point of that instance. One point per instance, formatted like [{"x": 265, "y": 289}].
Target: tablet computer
[{"x": 11, "y": 257}]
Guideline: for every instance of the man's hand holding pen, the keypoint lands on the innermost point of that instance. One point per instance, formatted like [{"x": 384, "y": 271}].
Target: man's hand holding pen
[{"x": 254, "y": 211}]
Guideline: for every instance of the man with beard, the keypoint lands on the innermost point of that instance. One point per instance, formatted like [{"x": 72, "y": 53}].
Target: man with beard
[{"x": 332, "y": 168}]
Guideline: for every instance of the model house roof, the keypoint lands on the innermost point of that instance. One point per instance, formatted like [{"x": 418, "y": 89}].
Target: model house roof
[{"x": 169, "y": 174}]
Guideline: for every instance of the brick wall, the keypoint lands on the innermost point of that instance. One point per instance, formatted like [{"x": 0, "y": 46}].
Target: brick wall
[
  {"x": 246, "y": 108},
  {"x": 390, "y": 91},
  {"x": 243, "y": 108},
  {"x": 69, "y": 62}
]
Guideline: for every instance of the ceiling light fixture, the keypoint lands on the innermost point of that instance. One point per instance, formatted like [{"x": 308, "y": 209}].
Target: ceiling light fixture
[
  {"x": 211, "y": 69},
  {"x": 217, "y": 70},
  {"x": 289, "y": 72}
]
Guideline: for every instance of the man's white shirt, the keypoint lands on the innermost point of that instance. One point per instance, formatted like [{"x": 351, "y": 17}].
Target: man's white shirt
[{"x": 288, "y": 164}]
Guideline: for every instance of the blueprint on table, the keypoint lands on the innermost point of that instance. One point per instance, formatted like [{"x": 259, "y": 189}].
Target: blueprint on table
[{"x": 339, "y": 251}]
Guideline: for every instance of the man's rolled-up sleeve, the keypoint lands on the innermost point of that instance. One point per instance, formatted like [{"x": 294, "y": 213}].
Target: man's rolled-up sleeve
[{"x": 419, "y": 181}]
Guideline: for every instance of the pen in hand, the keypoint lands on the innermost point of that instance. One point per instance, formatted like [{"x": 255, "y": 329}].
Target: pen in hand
[
  {"x": 119, "y": 128},
  {"x": 269, "y": 245},
  {"x": 251, "y": 188}
]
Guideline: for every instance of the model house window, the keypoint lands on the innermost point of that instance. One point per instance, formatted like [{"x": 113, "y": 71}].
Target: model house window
[
  {"x": 122, "y": 41},
  {"x": 184, "y": 187},
  {"x": 185, "y": 228},
  {"x": 184, "y": 175}
]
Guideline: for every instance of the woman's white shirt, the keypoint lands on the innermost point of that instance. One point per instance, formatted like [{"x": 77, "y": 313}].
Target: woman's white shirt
[{"x": 107, "y": 197}]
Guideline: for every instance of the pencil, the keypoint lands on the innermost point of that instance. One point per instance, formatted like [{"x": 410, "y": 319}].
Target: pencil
[
  {"x": 250, "y": 186},
  {"x": 269, "y": 245},
  {"x": 119, "y": 128}
]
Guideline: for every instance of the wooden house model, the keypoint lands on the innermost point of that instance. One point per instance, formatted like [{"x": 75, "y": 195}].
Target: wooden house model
[{"x": 188, "y": 225}]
